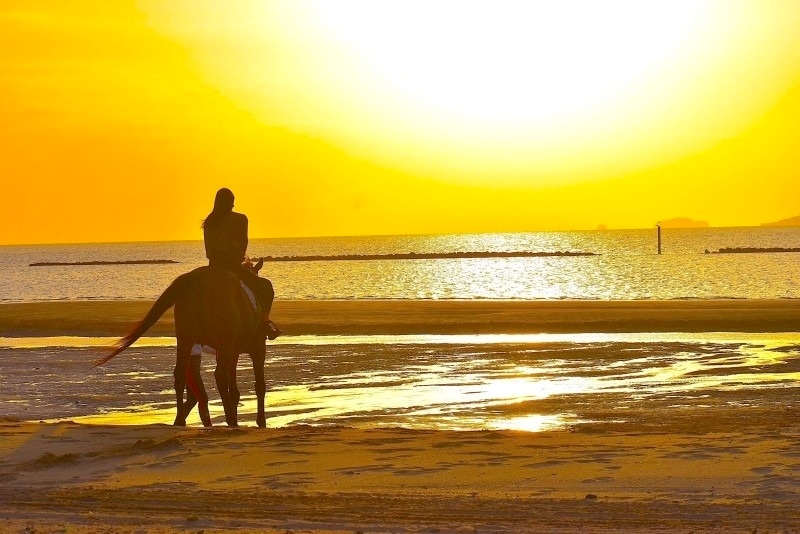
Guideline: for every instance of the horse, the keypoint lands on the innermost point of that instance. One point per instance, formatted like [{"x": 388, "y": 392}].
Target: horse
[{"x": 212, "y": 309}]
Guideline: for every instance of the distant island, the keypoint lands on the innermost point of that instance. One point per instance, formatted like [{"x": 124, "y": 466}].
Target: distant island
[
  {"x": 750, "y": 250},
  {"x": 125, "y": 262},
  {"x": 427, "y": 256},
  {"x": 683, "y": 222},
  {"x": 793, "y": 221}
]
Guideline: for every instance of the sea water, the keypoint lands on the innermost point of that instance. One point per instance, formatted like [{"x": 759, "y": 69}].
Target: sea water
[{"x": 625, "y": 266}]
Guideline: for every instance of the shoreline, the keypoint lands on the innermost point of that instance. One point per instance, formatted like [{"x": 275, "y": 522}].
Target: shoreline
[{"x": 373, "y": 317}]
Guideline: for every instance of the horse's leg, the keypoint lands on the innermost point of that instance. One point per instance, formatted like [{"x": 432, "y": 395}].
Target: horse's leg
[
  {"x": 197, "y": 391},
  {"x": 191, "y": 389},
  {"x": 233, "y": 390},
  {"x": 184, "y": 354},
  {"x": 191, "y": 398},
  {"x": 258, "y": 353},
  {"x": 222, "y": 374}
]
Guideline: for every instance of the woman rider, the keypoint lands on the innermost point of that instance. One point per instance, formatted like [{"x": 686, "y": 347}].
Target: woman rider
[{"x": 225, "y": 237}]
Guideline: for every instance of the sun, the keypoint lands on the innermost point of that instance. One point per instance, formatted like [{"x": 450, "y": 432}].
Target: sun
[
  {"x": 511, "y": 64},
  {"x": 510, "y": 92}
]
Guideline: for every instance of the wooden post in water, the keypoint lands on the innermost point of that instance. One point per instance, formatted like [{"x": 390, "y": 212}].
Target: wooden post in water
[{"x": 658, "y": 227}]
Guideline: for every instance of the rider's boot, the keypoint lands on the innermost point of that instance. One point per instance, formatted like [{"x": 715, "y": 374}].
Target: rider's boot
[{"x": 268, "y": 329}]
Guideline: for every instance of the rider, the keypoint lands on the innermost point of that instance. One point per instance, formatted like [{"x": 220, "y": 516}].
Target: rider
[{"x": 225, "y": 237}]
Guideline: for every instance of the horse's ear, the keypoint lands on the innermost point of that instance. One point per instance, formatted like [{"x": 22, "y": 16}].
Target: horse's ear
[{"x": 259, "y": 264}]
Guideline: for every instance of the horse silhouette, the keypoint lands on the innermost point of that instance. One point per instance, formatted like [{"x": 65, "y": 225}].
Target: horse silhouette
[{"x": 212, "y": 309}]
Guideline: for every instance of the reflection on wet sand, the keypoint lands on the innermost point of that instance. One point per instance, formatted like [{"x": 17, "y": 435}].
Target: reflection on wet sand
[{"x": 538, "y": 382}]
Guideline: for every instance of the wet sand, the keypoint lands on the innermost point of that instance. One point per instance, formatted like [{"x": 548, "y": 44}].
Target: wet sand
[{"x": 726, "y": 471}]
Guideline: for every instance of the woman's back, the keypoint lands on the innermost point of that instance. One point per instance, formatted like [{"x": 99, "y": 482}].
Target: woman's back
[{"x": 225, "y": 237}]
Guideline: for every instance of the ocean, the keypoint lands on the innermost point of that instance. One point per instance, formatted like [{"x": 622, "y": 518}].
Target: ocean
[{"x": 625, "y": 266}]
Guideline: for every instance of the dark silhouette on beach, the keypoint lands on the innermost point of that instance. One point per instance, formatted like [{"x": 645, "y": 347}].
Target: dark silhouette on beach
[
  {"x": 212, "y": 309},
  {"x": 225, "y": 239}
]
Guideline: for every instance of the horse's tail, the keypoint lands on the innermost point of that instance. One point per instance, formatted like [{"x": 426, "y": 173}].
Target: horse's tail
[{"x": 167, "y": 299}]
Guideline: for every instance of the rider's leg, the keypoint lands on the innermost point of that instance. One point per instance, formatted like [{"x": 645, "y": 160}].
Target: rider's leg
[{"x": 265, "y": 294}]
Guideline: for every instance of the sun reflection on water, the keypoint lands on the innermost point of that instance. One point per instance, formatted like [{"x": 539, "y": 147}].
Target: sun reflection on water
[
  {"x": 536, "y": 423},
  {"x": 531, "y": 383}
]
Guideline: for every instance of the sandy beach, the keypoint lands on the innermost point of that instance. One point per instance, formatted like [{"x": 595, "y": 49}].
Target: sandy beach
[
  {"x": 696, "y": 466},
  {"x": 114, "y": 318},
  {"x": 76, "y": 478}
]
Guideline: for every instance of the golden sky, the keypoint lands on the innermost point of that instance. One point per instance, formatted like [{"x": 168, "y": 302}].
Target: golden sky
[{"x": 121, "y": 119}]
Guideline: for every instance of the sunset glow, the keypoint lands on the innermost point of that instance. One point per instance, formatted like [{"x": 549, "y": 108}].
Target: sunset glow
[{"x": 341, "y": 118}]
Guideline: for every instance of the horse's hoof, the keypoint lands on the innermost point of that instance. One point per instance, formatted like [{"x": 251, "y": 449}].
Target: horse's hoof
[
  {"x": 179, "y": 422},
  {"x": 262, "y": 423}
]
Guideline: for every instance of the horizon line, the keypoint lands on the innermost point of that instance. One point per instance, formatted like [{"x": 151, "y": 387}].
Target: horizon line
[{"x": 762, "y": 225}]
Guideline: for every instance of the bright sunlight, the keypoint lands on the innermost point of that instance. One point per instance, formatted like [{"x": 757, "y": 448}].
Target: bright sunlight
[
  {"x": 509, "y": 93},
  {"x": 528, "y": 65},
  {"x": 344, "y": 117}
]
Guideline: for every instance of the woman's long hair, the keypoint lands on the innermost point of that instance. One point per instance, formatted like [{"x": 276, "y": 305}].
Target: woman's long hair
[{"x": 223, "y": 203}]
